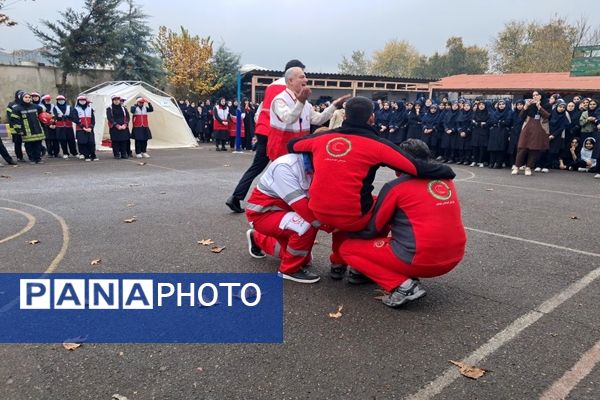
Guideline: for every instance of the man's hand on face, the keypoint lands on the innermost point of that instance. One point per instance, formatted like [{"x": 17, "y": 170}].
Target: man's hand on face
[{"x": 304, "y": 94}]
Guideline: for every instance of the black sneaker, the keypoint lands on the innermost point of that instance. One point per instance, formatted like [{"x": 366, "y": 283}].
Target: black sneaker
[
  {"x": 410, "y": 290},
  {"x": 356, "y": 278},
  {"x": 302, "y": 276},
  {"x": 337, "y": 271},
  {"x": 234, "y": 204},
  {"x": 253, "y": 248},
  {"x": 217, "y": 149}
]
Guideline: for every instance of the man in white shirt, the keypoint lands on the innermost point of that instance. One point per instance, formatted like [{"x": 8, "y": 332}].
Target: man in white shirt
[{"x": 292, "y": 114}]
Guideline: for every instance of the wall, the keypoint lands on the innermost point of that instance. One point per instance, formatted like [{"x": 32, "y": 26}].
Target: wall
[{"x": 44, "y": 80}]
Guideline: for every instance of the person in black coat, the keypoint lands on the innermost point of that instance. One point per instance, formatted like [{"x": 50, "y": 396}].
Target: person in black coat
[
  {"x": 480, "y": 134},
  {"x": 516, "y": 124},
  {"x": 500, "y": 122},
  {"x": 449, "y": 135},
  {"x": 85, "y": 120},
  {"x": 64, "y": 115},
  {"x": 464, "y": 124},
  {"x": 382, "y": 120},
  {"x": 559, "y": 123},
  {"x": 50, "y": 128},
  {"x": 413, "y": 121},
  {"x": 431, "y": 124},
  {"x": 398, "y": 123},
  {"x": 118, "y": 126}
]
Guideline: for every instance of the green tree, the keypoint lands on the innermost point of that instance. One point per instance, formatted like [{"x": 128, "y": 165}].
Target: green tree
[
  {"x": 226, "y": 64},
  {"x": 358, "y": 64},
  {"x": 137, "y": 61},
  {"x": 80, "y": 40},
  {"x": 535, "y": 47},
  {"x": 397, "y": 58},
  {"x": 458, "y": 59}
]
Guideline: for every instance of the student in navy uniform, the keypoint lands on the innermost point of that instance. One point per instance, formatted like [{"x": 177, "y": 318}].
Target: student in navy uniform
[
  {"x": 64, "y": 115},
  {"x": 480, "y": 134},
  {"x": 382, "y": 120},
  {"x": 431, "y": 123},
  {"x": 118, "y": 127},
  {"x": 499, "y": 123},
  {"x": 516, "y": 124},
  {"x": 414, "y": 123},
  {"x": 559, "y": 123},
  {"x": 449, "y": 134},
  {"x": 141, "y": 130},
  {"x": 464, "y": 124},
  {"x": 84, "y": 129},
  {"x": 398, "y": 123},
  {"x": 574, "y": 127},
  {"x": 50, "y": 129}
]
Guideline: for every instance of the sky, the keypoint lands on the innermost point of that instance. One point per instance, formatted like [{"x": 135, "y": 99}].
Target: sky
[{"x": 268, "y": 33}]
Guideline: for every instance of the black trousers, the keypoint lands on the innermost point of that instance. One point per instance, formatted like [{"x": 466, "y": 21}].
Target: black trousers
[
  {"x": 258, "y": 165},
  {"x": 496, "y": 157},
  {"x": 53, "y": 147},
  {"x": 119, "y": 148},
  {"x": 88, "y": 150},
  {"x": 18, "y": 141},
  {"x": 4, "y": 153},
  {"x": 69, "y": 147},
  {"x": 479, "y": 154},
  {"x": 34, "y": 150},
  {"x": 141, "y": 146}
]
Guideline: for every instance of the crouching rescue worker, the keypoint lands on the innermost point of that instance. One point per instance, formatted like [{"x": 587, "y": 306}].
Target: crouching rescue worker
[
  {"x": 283, "y": 225},
  {"x": 427, "y": 234}
]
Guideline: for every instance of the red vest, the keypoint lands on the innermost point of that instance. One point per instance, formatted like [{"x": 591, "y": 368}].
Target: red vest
[
  {"x": 263, "y": 124},
  {"x": 281, "y": 133},
  {"x": 66, "y": 123},
  {"x": 224, "y": 115},
  {"x": 233, "y": 126},
  {"x": 85, "y": 117},
  {"x": 140, "y": 117}
]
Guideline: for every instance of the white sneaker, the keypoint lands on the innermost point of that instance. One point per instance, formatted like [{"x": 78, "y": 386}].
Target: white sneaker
[
  {"x": 522, "y": 168},
  {"x": 597, "y": 176},
  {"x": 538, "y": 169},
  {"x": 145, "y": 155},
  {"x": 138, "y": 156},
  {"x": 473, "y": 164},
  {"x": 96, "y": 159},
  {"x": 528, "y": 171},
  {"x": 81, "y": 156},
  {"x": 65, "y": 156},
  {"x": 582, "y": 169},
  {"x": 545, "y": 170},
  {"x": 88, "y": 159},
  {"x": 515, "y": 170},
  {"x": 480, "y": 165}
]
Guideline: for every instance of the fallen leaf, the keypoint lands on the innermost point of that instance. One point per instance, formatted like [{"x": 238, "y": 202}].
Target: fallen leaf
[
  {"x": 96, "y": 262},
  {"x": 489, "y": 190},
  {"x": 217, "y": 249},
  {"x": 121, "y": 353},
  {"x": 48, "y": 173},
  {"x": 134, "y": 184},
  {"x": 199, "y": 369},
  {"x": 227, "y": 165},
  {"x": 130, "y": 204},
  {"x": 468, "y": 370},
  {"x": 205, "y": 242},
  {"x": 5, "y": 176},
  {"x": 117, "y": 396},
  {"x": 130, "y": 220},
  {"x": 574, "y": 217},
  {"x": 141, "y": 163},
  {"x": 71, "y": 346},
  {"x": 34, "y": 241},
  {"x": 163, "y": 192},
  {"x": 337, "y": 314}
]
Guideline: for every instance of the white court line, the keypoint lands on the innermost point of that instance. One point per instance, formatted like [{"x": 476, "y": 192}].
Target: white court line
[
  {"x": 562, "y": 387},
  {"x": 592, "y": 196},
  {"x": 436, "y": 386}
]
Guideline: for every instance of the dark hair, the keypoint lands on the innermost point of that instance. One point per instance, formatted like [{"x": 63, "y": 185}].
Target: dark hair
[
  {"x": 359, "y": 109},
  {"x": 416, "y": 148},
  {"x": 294, "y": 63}
]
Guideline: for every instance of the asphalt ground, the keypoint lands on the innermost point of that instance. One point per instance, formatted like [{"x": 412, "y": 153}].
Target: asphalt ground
[{"x": 524, "y": 303}]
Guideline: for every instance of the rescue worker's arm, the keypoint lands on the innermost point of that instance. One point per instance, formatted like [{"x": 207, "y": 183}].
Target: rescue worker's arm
[
  {"x": 301, "y": 144},
  {"x": 322, "y": 117},
  {"x": 383, "y": 212},
  {"x": 391, "y": 156},
  {"x": 289, "y": 190},
  {"x": 16, "y": 123},
  {"x": 286, "y": 114}
]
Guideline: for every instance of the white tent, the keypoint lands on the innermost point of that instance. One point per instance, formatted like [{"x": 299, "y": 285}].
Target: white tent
[{"x": 168, "y": 126}]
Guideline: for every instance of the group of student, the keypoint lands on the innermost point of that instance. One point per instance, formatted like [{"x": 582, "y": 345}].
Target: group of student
[
  {"x": 324, "y": 181},
  {"x": 69, "y": 129},
  {"x": 558, "y": 134},
  {"x": 218, "y": 124}
]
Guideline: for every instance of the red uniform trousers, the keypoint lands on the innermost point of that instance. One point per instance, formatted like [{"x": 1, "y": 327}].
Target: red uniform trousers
[
  {"x": 376, "y": 259},
  {"x": 293, "y": 249}
]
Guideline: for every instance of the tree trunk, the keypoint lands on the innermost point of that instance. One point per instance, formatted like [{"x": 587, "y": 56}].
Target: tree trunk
[{"x": 63, "y": 83}]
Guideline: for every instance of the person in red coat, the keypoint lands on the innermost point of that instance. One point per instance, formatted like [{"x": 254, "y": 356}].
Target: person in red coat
[{"x": 427, "y": 234}]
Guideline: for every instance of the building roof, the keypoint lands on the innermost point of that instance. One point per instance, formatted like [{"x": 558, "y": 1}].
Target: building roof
[
  {"x": 549, "y": 81},
  {"x": 326, "y": 75}
]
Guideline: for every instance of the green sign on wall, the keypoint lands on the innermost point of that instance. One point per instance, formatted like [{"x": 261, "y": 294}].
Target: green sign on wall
[{"x": 586, "y": 61}]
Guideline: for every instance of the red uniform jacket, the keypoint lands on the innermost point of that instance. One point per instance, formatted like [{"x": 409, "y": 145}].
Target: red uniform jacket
[
  {"x": 345, "y": 162},
  {"x": 425, "y": 218},
  {"x": 263, "y": 124}
]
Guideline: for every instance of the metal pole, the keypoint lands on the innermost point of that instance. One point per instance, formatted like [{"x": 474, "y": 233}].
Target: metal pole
[{"x": 238, "y": 114}]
